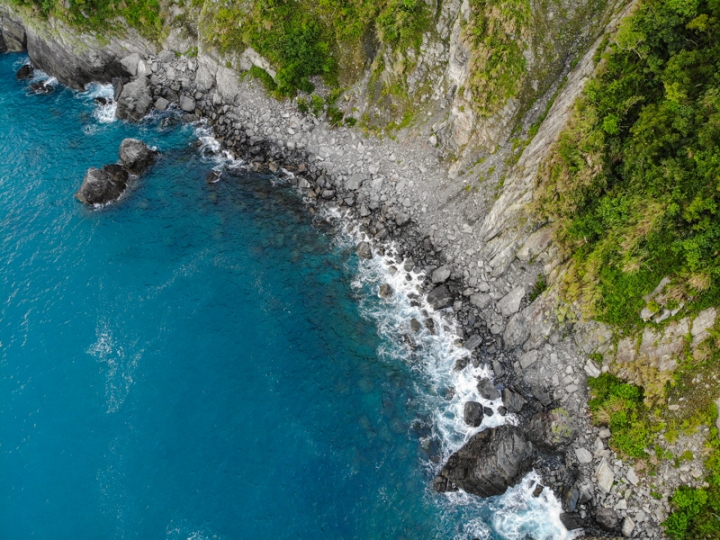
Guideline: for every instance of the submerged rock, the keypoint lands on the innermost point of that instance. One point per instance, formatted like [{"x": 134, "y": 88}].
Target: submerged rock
[
  {"x": 102, "y": 186},
  {"x": 136, "y": 156},
  {"x": 490, "y": 462}
]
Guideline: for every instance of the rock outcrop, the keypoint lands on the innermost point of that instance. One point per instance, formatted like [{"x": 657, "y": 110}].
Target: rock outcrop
[
  {"x": 102, "y": 186},
  {"x": 136, "y": 156},
  {"x": 134, "y": 101},
  {"x": 490, "y": 462}
]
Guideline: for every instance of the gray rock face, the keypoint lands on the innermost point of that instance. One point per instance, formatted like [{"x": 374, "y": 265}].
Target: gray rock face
[
  {"x": 364, "y": 250},
  {"x": 134, "y": 101},
  {"x": 572, "y": 521},
  {"x": 187, "y": 104},
  {"x": 473, "y": 413},
  {"x": 440, "y": 297},
  {"x": 441, "y": 275},
  {"x": 70, "y": 69},
  {"x": 161, "y": 104},
  {"x": 487, "y": 389},
  {"x": 607, "y": 518},
  {"x": 489, "y": 463},
  {"x": 102, "y": 186},
  {"x": 136, "y": 156},
  {"x": 510, "y": 303},
  {"x": 12, "y": 36},
  {"x": 516, "y": 332},
  {"x": 354, "y": 182},
  {"x": 550, "y": 431},
  {"x": 512, "y": 400}
]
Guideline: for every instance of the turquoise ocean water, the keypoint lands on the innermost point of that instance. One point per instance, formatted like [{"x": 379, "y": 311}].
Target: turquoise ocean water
[{"x": 202, "y": 361}]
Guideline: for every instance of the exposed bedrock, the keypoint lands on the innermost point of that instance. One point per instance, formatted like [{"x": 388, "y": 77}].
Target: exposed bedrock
[
  {"x": 490, "y": 462},
  {"x": 136, "y": 156}
]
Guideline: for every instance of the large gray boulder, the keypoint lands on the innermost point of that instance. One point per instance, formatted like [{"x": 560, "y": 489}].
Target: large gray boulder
[
  {"x": 551, "y": 431},
  {"x": 490, "y": 462},
  {"x": 102, "y": 186},
  {"x": 440, "y": 297},
  {"x": 135, "y": 100},
  {"x": 136, "y": 156}
]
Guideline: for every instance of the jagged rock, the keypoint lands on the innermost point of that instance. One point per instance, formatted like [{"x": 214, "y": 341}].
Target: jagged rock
[
  {"x": 102, "y": 186},
  {"x": 550, "y": 431},
  {"x": 134, "y": 65},
  {"x": 441, "y": 275},
  {"x": 386, "y": 291},
  {"x": 583, "y": 455},
  {"x": 472, "y": 342},
  {"x": 354, "y": 182},
  {"x": 25, "y": 72},
  {"x": 440, "y": 297},
  {"x": 571, "y": 521},
  {"x": 480, "y": 300},
  {"x": 187, "y": 104},
  {"x": 364, "y": 250},
  {"x": 489, "y": 463},
  {"x": 415, "y": 325},
  {"x": 510, "y": 303},
  {"x": 487, "y": 389},
  {"x": 135, "y": 155},
  {"x": 570, "y": 499},
  {"x": 607, "y": 518},
  {"x": 473, "y": 413},
  {"x": 604, "y": 476},
  {"x": 134, "y": 101},
  {"x": 516, "y": 332},
  {"x": 512, "y": 400}
]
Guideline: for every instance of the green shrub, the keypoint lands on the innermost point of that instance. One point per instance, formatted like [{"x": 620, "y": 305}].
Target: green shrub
[{"x": 264, "y": 77}]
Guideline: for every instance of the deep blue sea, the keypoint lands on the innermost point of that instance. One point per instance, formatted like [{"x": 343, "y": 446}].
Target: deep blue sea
[{"x": 203, "y": 361}]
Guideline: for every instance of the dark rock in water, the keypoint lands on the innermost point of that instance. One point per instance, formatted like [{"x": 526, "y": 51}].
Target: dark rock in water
[
  {"x": 550, "y": 431},
  {"x": 136, "y": 156},
  {"x": 135, "y": 100},
  {"x": 607, "y": 518},
  {"x": 461, "y": 363},
  {"x": 430, "y": 325},
  {"x": 572, "y": 521},
  {"x": 25, "y": 72},
  {"x": 472, "y": 342},
  {"x": 502, "y": 411},
  {"x": 415, "y": 325},
  {"x": 212, "y": 177},
  {"x": 42, "y": 88},
  {"x": 102, "y": 186},
  {"x": 570, "y": 499},
  {"x": 512, "y": 400},
  {"x": 489, "y": 463},
  {"x": 487, "y": 389},
  {"x": 488, "y": 411},
  {"x": 473, "y": 413},
  {"x": 364, "y": 250},
  {"x": 440, "y": 297},
  {"x": 101, "y": 100},
  {"x": 386, "y": 291},
  {"x": 538, "y": 490}
]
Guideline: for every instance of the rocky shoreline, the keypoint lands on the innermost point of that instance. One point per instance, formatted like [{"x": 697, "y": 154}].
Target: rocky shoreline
[{"x": 393, "y": 191}]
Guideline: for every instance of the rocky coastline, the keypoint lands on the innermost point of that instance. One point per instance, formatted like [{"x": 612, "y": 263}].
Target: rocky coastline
[{"x": 390, "y": 190}]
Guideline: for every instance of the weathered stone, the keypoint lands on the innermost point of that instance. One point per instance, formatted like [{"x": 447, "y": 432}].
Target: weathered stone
[
  {"x": 187, "y": 104},
  {"x": 161, "y": 104},
  {"x": 480, "y": 300},
  {"x": 473, "y": 413},
  {"x": 571, "y": 521},
  {"x": 364, "y": 250},
  {"x": 13, "y": 35},
  {"x": 628, "y": 527},
  {"x": 386, "y": 291},
  {"x": 354, "y": 182},
  {"x": 415, "y": 325},
  {"x": 512, "y": 400},
  {"x": 490, "y": 462},
  {"x": 440, "y": 297},
  {"x": 536, "y": 243},
  {"x": 583, "y": 455},
  {"x": 25, "y": 72},
  {"x": 701, "y": 326},
  {"x": 510, "y": 303},
  {"x": 441, "y": 275},
  {"x": 228, "y": 85},
  {"x": 516, "y": 332},
  {"x": 130, "y": 63},
  {"x": 604, "y": 476},
  {"x": 528, "y": 359},
  {"x": 134, "y": 101},
  {"x": 136, "y": 156},
  {"x": 607, "y": 518},
  {"x": 487, "y": 389},
  {"x": 102, "y": 186},
  {"x": 550, "y": 431},
  {"x": 472, "y": 342}
]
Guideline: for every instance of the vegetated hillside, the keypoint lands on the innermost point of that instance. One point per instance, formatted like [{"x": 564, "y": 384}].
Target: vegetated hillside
[{"x": 633, "y": 185}]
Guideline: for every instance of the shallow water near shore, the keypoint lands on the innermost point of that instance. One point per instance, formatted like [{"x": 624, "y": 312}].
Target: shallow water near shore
[{"x": 203, "y": 361}]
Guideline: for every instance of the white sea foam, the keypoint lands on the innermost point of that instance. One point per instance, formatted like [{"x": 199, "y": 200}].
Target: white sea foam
[
  {"x": 445, "y": 391},
  {"x": 211, "y": 149},
  {"x": 119, "y": 365},
  {"x": 105, "y": 114}
]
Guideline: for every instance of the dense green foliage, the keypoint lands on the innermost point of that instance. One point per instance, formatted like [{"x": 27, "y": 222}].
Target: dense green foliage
[
  {"x": 695, "y": 511},
  {"x": 144, "y": 15},
  {"x": 633, "y": 181},
  {"x": 620, "y": 406},
  {"x": 304, "y": 39}
]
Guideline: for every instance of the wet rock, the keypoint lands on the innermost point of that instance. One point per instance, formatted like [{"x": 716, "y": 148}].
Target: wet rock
[
  {"x": 42, "y": 88},
  {"x": 101, "y": 100},
  {"x": 440, "y": 297},
  {"x": 488, "y": 411},
  {"x": 487, "y": 389},
  {"x": 571, "y": 521},
  {"x": 415, "y": 325},
  {"x": 512, "y": 400},
  {"x": 551, "y": 431},
  {"x": 489, "y": 463},
  {"x": 136, "y": 156},
  {"x": 212, "y": 177},
  {"x": 570, "y": 499},
  {"x": 473, "y": 413},
  {"x": 472, "y": 342},
  {"x": 25, "y": 72},
  {"x": 101, "y": 186},
  {"x": 134, "y": 101},
  {"x": 538, "y": 490},
  {"x": 386, "y": 291},
  {"x": 607, "y": 518},
  {"x": 364, "y": 250}
]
